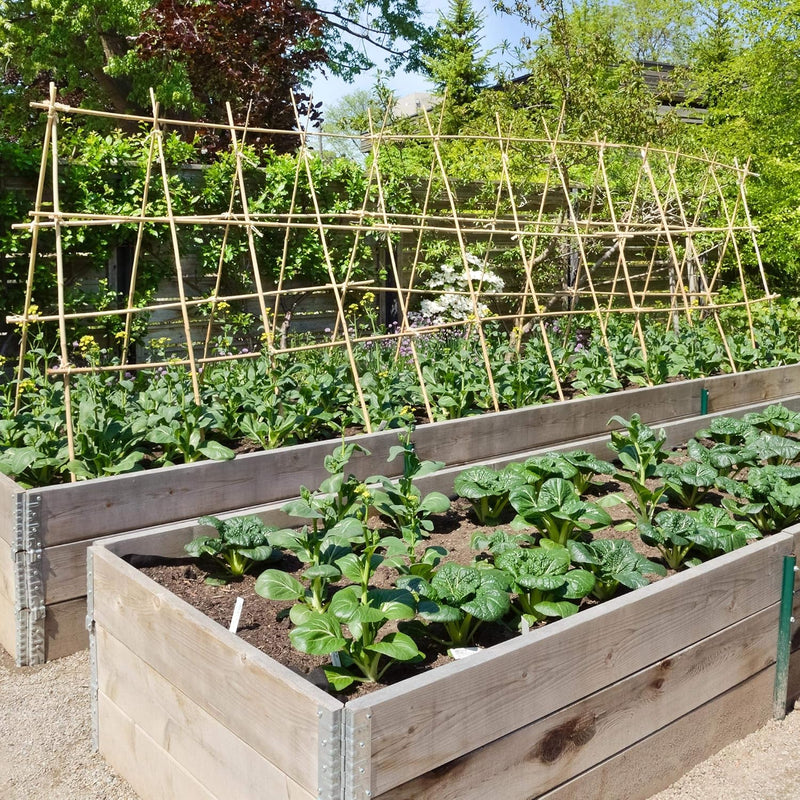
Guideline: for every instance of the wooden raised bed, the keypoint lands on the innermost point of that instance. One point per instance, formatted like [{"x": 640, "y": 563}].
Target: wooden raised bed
[
  {"x": 44, "y": 532},
  {"x": 617, "y": 701}
]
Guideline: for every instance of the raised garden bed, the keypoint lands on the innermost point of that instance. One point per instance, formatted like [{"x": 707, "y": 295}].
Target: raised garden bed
[
  {"x": 44, "y": 532},
  {"x": 576, "y": 708}
]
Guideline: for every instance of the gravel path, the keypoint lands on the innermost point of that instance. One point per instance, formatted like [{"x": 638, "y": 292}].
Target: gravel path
[{"x": 46, "y": 751}]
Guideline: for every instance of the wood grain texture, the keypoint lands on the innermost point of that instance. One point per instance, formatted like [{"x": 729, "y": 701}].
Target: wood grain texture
[
  {"x": 144, "y": 499},
  {"x": 153, "y": 773},
  {"x": 224, "y": 764},
  {"x": 8, "y": 623},
  {"x": 258, "y": 699},
  {"x": 550, "y": 751},
  {"x": 467, "y": 704},
  {"x": 8, "y": 504},
  {"x": 65, "y": 629},
  {"x": 638, "y": 774}
]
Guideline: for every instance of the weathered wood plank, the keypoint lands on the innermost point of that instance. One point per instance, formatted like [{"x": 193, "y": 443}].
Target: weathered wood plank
[
  {"x": 257, "y": 696},
  {"x": 656, "y": 762},
  {"x": 145, "y": 499},
  {"x": 8, "y": 504},
  {"x": 8, "y": 627},
  {"x": 531, "y": 677},
  {"x": 195, "y": 739},
  {"x": 550, "y": 751},
  {"x": 7, "y": 582},
  {"x": 152, "y": 773},
  {"x": 65, "y": 628}
]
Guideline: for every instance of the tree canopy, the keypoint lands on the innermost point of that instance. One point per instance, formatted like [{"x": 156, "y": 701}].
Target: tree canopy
[{"x": 196, "y": 54}]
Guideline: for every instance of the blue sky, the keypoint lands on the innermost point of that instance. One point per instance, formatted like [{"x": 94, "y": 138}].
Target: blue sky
[{"x": 497, "y": 29}]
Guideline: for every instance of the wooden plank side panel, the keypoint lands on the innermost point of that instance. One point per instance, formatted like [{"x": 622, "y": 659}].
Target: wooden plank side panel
[
  {"x": 65, "y": 628},
  {"x": 659, "y": 760},
  {"x": 8, "y": 505},
  {"x": 530, "y": 677},
  {"x": 729, "y": 391},
  {"x": 145, "y": 499},
  {"x": 552, "y": 750},
  {"x": 224, "y": 764},
  {"x": 8, "y": 614},
  {"x": 252, "y": 695},
  {"x": 153, "y": 773}
]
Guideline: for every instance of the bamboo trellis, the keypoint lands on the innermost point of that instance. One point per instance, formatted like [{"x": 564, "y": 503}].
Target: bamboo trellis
[{"x": 574, "y": 207}]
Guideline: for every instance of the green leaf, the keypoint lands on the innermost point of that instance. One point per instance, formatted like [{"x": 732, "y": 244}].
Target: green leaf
[
  {"x": 319, "y": 635},
  {"x": 338, "y": 677},
  {"x": 274, "y": 584},
  {"x": 398, "y": 646},
  {"x": 559, "y": 609}
]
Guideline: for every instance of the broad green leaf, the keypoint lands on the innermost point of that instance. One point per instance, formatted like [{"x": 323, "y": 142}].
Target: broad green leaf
[
  {"x": 319, "y": 635},
  {"x": 398, "y": 646},
  {"x": 275, "y": 584}
]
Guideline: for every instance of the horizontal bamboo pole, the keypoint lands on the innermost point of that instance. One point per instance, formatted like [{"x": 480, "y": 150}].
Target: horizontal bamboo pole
[{"x": 410, "y": 333}]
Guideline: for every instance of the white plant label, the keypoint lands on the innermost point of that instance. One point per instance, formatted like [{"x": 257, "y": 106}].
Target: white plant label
[
  {"x": 237, "y": 613},
  {"x": 335, "y": 660}
]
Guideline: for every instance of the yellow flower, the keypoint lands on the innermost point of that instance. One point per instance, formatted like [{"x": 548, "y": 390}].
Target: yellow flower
[
  {"x": 33, "y": 311},
  {"x": 353, "y": 308},
  {"x": 27, "y": 385},
  {"x": 368, "y": 299},
  {"x": 119, "y": 335},
  {"x": 222, "y": 306}
]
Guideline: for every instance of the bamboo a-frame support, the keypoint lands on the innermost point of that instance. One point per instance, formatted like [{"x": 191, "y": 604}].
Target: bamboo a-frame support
[{"x": 592, "y": 205}]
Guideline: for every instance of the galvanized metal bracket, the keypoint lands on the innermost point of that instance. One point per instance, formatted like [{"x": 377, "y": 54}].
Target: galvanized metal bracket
[
  {"x": 330, "y": 755},
  {"x": 358, "y": 755},
  {"x": 29, "y": 604}
]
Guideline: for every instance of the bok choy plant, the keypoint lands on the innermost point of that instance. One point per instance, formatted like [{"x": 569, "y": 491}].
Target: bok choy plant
[
  {"x": 614, "y": 563},
  {"x": 460, "y": 598},
  {"x": 487, "y": 490},
  {"x": 543, "y": 581},
  {"x": 240, "y": 543},
  {"x": 556, "y": 511}
]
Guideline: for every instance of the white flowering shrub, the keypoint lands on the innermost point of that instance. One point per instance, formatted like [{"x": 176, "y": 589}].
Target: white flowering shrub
[{"x": 450, "y": 282}]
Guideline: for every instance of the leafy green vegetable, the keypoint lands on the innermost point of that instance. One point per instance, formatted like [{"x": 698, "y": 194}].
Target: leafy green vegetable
[
  {"x": 614, "y": 563},
  {"x": 460, "y": 598},
  {"x": 777, "y": 420},
  {"x": 586, "y": 465},
  {"x": 543, "y": 580},
  {"x": 364, "y": 656},
  {"x": 771, "y": 497},
  {"x": 487, "y": 490},
  {"x": 727, "y": 459},
  {"x": 539, "y": 469},
  {"x": 670, "y": 532},
  {"x": 556, "y": 510},
  {"x": 640, "y": 451},
  {"x": 240, "y": 543},
  {"x": 410, "y": 513},
  {"x": 688, "y": 483},
  {"x": 726, "y": 430}
]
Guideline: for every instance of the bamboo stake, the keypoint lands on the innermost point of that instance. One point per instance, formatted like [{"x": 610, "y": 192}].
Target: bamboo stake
[
  {"x": 176, "y": 251},
  {"x": 137, "y": 252},
  {"x": 23, "y": 342},
  {"x": 403, "y": 301},
  {"x": 251, "y": 242},
  {"x": 329, "y": 264},
  {"x": 528, "y": 270},
  {"x": 582, "y": 251},
  {"x": 62, "y": 325},
  {"x": 463, "y": 250}
]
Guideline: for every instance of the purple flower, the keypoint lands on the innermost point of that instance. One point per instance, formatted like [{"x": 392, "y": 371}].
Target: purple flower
[{"x": 244, "y": 350}]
